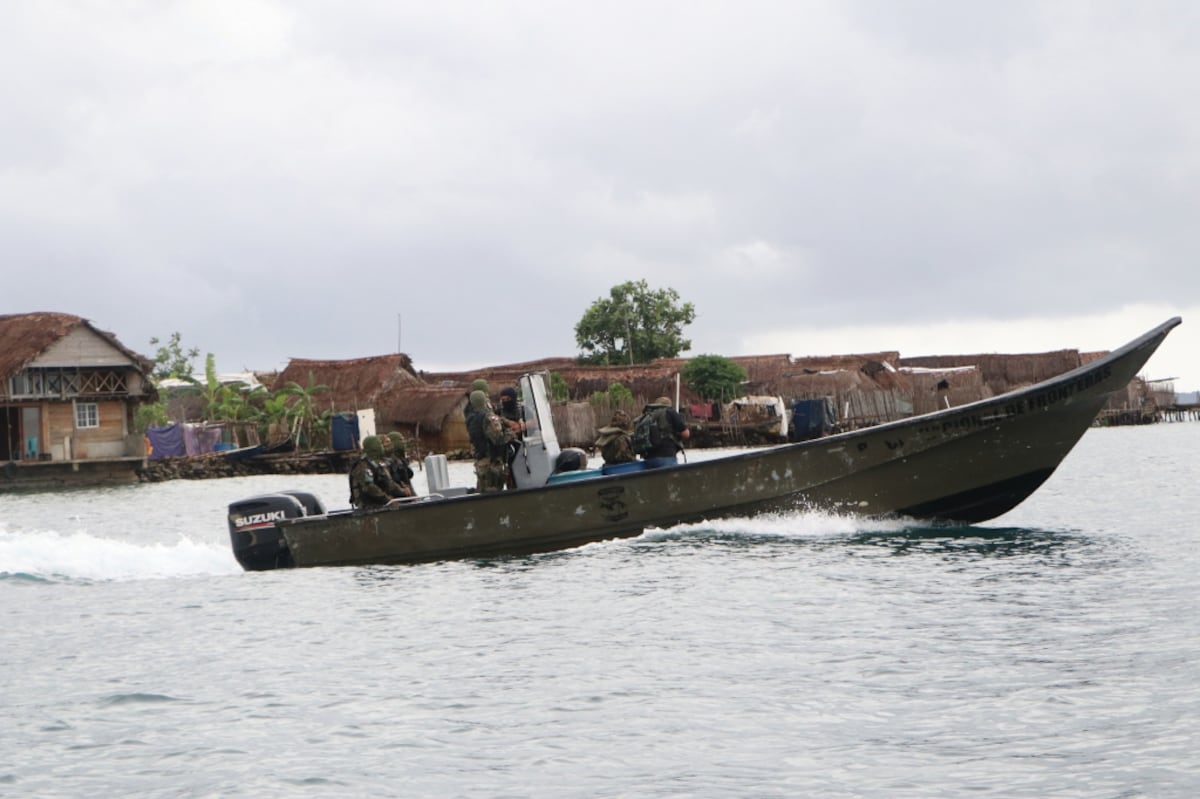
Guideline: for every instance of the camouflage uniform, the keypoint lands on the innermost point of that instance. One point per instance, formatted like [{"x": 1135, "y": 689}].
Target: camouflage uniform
[
  {"x": 613, "y": 442},
  {"x": 398, "y": 467},
  {"x": 370, "y": 484},
  {"x": 489, "y": 438},
  {"x": 479, "y": 384},
  {"x": 512, "y": 414},
  {"x": 673, "y": 429}
]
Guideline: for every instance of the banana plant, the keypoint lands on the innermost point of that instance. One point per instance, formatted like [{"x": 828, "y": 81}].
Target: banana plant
[{"x": 306, "y": 419}]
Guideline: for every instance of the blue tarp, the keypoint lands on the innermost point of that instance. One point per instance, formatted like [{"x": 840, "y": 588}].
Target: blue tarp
[
  {"x": 166, "y": 442},
  {"x": 344, "y": 432},
  {"x": 811, "y": 418}
]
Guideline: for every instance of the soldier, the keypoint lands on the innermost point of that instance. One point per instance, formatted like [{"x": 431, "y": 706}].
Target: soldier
[
  {"x": 398, "y": 466},
  {"x": 673, "y": 431},
  {"x": 614, "y": 440},
  {"x": 512, "y": 413},
  {"x": 478, "y": 384},
  {"x": 489, "y": 439},
  {"x": 370, "y": 484}
]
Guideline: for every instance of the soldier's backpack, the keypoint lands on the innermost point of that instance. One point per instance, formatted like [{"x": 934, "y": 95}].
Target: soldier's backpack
[{"x": 647, "y": 434}]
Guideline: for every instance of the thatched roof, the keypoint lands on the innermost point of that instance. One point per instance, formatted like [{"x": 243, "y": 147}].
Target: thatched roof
[
  {"x": 23, "y": 337},
  {"x": 354, "y": 384},
  {"x": 934, "y": 388},
  {"x": 497, "y": 376},
  {"x": 426, "y": 406},
  {"x": 1004, "y": 372},
  {"x": 825, "y": 383},
  {"x": 764, "y": 373},
  {"x": 791, "y": 377},
  {"x": 643, "y": 379}
]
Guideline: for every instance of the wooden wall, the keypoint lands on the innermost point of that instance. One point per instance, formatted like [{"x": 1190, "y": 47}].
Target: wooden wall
[{"x": 109, "y": 440}]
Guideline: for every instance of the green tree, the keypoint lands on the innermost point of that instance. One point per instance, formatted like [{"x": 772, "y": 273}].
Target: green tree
[
  {"x": 559, "y": 390},
  {"x": 275, "y": 414},
  {"x": 212, "y": 391},
  {"x": 170, "y": 360},
  {"x": 150, "y": 414},
  {"x": 634, "y": 324},
  {"x": 308, "y": 423},
  {"x": 714, "y": 377},
  {"x": 619, "y": 395}
]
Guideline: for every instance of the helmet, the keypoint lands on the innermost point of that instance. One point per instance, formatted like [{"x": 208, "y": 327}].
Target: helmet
[
  {"x": 478, "y": 400},
  {"x": 662, "y": 401},
  {"x": 372, "y": 447},
  {"x": 479, "y": 385},
  {"x": 398, "y": 443}
]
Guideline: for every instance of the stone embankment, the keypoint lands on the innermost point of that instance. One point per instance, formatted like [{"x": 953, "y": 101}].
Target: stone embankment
[{"x": 205, "y": 467}]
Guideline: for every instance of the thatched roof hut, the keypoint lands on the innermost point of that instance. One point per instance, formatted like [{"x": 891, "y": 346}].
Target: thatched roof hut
[
  {"x": 24, "y": 337},
  {"x": 645, "y": 381},
  {"x": 432, "y": 415},
  {"x": 1003, "y": 373},
  {"x": 354, "y": 384},
  {"x": 937, "y": 388},
  {"x": 497, "y": 376}
]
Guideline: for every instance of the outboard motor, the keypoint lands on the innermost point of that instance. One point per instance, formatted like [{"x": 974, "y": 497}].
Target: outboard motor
[
  {"x": 258, "y": 544},
  {"x": 571, "y": 459}
]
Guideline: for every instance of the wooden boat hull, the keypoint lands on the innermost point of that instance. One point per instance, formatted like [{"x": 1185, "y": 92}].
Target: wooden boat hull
[{"x": 965, "y": 464}]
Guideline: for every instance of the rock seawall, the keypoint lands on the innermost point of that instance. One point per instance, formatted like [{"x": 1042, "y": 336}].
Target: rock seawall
[{"x": 207, "y": 467}]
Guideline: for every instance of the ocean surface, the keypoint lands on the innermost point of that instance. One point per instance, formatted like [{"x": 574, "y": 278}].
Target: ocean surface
[{"x": 1054, "y": 652}]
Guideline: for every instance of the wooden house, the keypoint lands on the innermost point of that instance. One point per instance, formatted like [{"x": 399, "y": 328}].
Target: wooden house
[{"x": 68, "y": 392}]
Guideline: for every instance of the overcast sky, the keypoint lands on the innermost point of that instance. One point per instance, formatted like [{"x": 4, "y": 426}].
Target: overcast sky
[{"x": 462, "y": 180}]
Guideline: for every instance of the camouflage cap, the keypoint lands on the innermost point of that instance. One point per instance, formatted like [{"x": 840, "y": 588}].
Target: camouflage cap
[{"x": 372, "y": 446}]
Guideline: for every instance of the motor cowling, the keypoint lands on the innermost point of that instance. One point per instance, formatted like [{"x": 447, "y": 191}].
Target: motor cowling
[
  {"x": 258, "y": 543},
  {"x": 571, "y": 459}
]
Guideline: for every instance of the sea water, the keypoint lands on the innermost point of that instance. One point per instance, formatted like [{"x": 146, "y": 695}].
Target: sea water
[{"x": 1053, "y": 652}]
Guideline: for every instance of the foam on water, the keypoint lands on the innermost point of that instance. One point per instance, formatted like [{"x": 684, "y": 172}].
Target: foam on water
[
  {"x": 82, "y": 556},
  {"x": 792, "y": 524}
]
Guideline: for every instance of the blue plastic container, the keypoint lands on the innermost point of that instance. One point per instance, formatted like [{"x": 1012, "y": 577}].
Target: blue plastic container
[
  {"x": 622, "y": 468},
  {"x": 578, "y": 474}
]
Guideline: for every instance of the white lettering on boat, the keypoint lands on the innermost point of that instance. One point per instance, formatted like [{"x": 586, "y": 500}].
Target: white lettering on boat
[{"x": 259, "y": 519}]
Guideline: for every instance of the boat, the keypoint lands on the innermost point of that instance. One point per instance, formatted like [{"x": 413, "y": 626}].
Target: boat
[{"x": 961, "y": 465}]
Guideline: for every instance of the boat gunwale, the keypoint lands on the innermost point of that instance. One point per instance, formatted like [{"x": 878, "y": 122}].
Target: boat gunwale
[{"x": 1098, "y": 364}]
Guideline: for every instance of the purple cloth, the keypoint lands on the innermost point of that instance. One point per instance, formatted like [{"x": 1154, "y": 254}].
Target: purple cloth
[
  {"x": 199, "y": 439},
  {"x": 166, "y": 442}
]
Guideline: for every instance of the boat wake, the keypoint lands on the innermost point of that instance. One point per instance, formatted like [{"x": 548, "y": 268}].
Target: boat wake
[
  {"x": 896, "y": 535},
  {"x": 793, "y": 524},
  {"x": 52, "y": 556}
]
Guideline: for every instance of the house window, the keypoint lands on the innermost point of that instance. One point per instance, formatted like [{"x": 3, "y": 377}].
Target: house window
[{"x": 87, "y": 414}]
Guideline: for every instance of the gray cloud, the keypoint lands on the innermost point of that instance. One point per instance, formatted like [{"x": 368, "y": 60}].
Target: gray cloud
[{"x": 293, "y": 179}]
